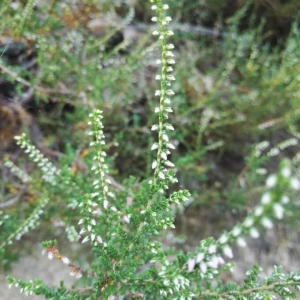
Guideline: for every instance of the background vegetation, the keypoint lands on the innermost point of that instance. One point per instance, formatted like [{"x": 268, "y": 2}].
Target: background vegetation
[{"x": 236, "y": 108}]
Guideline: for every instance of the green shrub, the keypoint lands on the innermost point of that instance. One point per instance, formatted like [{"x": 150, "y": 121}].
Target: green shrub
[{"x": 123, "y": 224}]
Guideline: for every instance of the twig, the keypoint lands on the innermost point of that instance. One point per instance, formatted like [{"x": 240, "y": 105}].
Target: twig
[
  {"x": 11, "y": 201},
  {"x": 27, "y": 96},
  {"x": 184, "y": 28},
  {"x": 34, "y": 87},
  {"x": 37, "y": 138}
]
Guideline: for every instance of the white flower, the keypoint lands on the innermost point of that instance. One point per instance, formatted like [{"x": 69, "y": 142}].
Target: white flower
[
  {"x": 169, "y": 33},
  {"x": 212, "y": 249},
  {"x": 170, "y": 77},
  {"x": 164, "y": 156},
  {"x": 236, "y": 231},
  {"x": 126, "y": 219},
  {"x": 165, "y": 137},
  {"x": 266, "y": 222},
  {"x": 166, "y": 282},
  {"x": 241, "y": 242},
  {"x": 170, "y": 92},
  {"x": 154, "y": 127},
  {"x": 213, "y": 263},
  {"x": 273, "y": 152},
  {"x": 203, "y": 267},
  {"x": 176, "y": 281},
  {"x": 296, "y": 278},
  {"x": 105, "y": 204},
  {"x": 278, "y": 211},
  {"x": 271, "y": 181},
  {"x": 248, "y": 222},
  {"x": 286, "y": 172},
  {"x": 254, "y": 233},
  {"x": 295, "y": 184},
  {"x": 171, "y": 61},
  {"x": 266, "y": 198},
  {"x": 228, "y": 251},
  {"x": 161, "y": 175},
  {"x": 258, "y": 211},
  {"x": 169, "y": 164},
  {"x": 199, "y": 257},
  {"x": 171, "y": 146},
  {"x": 191, "y": 265},
  {"x": 169, "y": 127},
  {"x": 65, "y": 260},
  {"x": 285, "y": 199},
  {"x": 85, "y": 239},
  {"x": 154, "y": 146},
  {"x": 223, "y": 239},
  {"x": 221, "y": 261},
  {"x": 261, "y": 171},
  {"x": 154, "y": 164}
]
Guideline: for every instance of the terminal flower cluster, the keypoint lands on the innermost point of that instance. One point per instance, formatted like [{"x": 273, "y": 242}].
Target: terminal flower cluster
[
  {"x": 162, "y": 163},
  {"x": 50, "y": 172}
]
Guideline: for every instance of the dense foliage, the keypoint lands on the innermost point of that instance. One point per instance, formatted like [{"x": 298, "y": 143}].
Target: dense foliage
[{"x": 234, "y": 105}]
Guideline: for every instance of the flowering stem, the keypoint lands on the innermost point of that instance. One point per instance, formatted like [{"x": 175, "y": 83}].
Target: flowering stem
[
  {"x": 161, "y": 163},
  {"x": 264, "y": 287}
]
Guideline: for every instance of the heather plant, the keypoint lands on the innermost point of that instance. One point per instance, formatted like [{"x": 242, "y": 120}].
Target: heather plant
[
  {"x": 233, "y": 108},
  {"x": 123, "y": 224}
]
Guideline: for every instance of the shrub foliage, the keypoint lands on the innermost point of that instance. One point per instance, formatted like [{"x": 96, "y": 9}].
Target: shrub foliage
[{"x": 124, "y": 224}]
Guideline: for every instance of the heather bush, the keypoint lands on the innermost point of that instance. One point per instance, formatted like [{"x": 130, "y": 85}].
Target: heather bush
[{"x": 124, "y": 224}]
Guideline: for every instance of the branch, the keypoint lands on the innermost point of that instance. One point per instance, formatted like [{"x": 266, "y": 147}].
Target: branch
[
  {"x": 11, "y": 201},
  {"x": 19, "y": 79},
  {"x": 181, "y": 27},
  {"x": 265, "y": 287}
]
